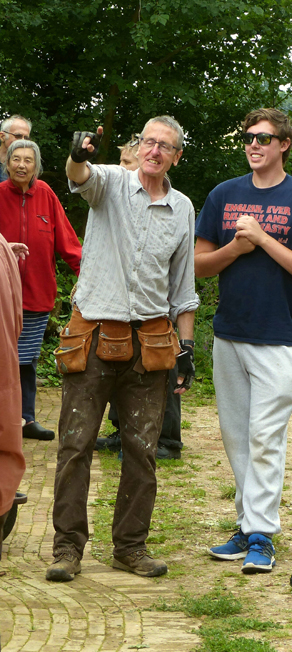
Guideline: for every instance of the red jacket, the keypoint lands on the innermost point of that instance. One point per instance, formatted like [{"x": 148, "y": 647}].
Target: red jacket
[{"x": 38, "y": 219}]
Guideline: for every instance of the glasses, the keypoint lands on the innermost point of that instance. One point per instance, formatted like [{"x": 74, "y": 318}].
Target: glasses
[
  {"x": 164, "y": 147},
  {"x": 16, "y": 136},
  {"x": 262, "y": 139}
]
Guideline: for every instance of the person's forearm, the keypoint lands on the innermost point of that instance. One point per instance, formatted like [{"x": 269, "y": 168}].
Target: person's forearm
[
  {"x": 210, "y": 263},
  {"x": 77, "y": 172},
  {"x": 281, "y": 254},
  {"x": 185, "y": 324}
]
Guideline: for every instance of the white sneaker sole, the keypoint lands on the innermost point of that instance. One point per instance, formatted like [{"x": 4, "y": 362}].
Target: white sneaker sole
[
  {"x": 237, "y": 555},
  {"x": 251, "y": 568}
]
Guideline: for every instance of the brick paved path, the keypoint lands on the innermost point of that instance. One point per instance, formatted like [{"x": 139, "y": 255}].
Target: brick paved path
[{"x": 102, "y": 610}]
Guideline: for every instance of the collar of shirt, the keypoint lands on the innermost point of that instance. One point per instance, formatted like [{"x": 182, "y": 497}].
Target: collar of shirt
[{"x": 136, "y": 185}]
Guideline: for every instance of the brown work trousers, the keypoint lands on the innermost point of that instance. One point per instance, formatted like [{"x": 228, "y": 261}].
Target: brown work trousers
[
  {"x": 12, "y": 464},
  {"x": 140, "y": 399}
]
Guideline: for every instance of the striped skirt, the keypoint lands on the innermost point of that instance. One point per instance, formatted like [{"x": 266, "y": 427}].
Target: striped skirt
[{"x": 30, "y": 341}]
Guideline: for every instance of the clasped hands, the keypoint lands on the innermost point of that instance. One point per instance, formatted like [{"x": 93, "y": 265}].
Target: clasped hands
[{"x": 249, "y": 233}]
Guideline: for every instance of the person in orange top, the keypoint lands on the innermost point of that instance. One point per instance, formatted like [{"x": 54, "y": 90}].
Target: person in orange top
[{"x": 12, "y": 463}]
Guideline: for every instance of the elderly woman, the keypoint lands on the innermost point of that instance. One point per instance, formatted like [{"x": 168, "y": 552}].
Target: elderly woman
[{"x": 31, "y": 213}]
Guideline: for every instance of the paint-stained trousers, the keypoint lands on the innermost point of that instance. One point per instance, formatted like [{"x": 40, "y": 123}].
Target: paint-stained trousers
[{"x": 140, "y": 403}]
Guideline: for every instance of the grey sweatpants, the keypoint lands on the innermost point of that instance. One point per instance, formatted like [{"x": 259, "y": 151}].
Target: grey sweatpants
[{"x": 253, "y": 386}]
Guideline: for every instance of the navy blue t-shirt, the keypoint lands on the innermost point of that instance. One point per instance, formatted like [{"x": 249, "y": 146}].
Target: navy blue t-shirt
[{"x": 255, "y": 291}]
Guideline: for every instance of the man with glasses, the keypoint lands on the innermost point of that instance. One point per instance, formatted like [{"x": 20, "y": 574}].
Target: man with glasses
[
  {"x": 14, "y": 128},
  {"x": 244, "y": 235},
  {"x": 169, "y": 444},
  {"x": 137, "y": 270}
]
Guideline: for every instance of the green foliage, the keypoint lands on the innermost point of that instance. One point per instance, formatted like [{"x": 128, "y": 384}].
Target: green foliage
[
  {"x": 71, "y": 65},
  {"x": 66, "y": 280},
  {"x": 46, "y": 368},
  {"x": 209, "y": 296}
]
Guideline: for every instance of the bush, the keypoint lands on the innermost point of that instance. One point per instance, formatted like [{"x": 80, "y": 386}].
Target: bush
[{"x": 209, "y": 296}]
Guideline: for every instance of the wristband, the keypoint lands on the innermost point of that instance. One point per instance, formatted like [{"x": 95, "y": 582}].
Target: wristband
[{"x": 187, "y": 343}]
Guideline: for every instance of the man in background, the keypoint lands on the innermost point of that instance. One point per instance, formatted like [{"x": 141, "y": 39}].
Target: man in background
[{"x": 14, "y": 128}]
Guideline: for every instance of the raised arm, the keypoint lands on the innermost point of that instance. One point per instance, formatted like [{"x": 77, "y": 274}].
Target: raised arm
[{"x": 209, "y": 260}]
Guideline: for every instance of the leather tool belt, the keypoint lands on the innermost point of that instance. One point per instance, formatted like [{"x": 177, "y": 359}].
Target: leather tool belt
[{"x": 159, "y": 343}]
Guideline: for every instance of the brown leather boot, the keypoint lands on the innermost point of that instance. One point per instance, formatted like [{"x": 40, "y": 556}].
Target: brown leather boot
[
  {"x": 64, "y": 568},
  {"x": 141, "y": 564}
]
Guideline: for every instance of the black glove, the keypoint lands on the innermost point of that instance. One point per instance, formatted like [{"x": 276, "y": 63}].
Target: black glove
[
  {"x": 185, "y": 366},
  {"x": 79, "y": 154}
]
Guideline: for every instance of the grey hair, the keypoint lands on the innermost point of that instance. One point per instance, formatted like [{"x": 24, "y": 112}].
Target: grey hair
[
  {"x": 21, "y": 144},
  {"x": 169, "y": 122},
  {"x": 8, "y": 122}
]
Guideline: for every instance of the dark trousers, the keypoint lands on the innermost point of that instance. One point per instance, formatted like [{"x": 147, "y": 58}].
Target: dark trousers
[
  {"x": 140, "y": 400},
  {"x": 28, "y": 389},
  {"x": 170, "y": 435}
]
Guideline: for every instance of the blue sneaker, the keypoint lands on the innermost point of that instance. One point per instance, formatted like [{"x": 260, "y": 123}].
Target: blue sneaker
[
  {"x": 235, "y": 548},
  {"x": 260, "y": 557}
]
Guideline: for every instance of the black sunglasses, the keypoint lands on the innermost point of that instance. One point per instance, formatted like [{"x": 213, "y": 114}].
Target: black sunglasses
[{"x": 262, "y": 139}]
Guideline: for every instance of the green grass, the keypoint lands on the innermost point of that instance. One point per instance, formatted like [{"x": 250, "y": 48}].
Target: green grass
[
  {"x": 221, "y": 625},
  {"x": 217, "y": 603},
  {"x": 227, "y": 492},
  {"x": 185, "y": 425},
  {"x": 218, "y": 641},
  {"x": 227, "y": 525}
]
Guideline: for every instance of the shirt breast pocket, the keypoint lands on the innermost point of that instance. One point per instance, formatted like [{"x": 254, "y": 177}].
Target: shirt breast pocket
[{"x": 44, "y": 223}]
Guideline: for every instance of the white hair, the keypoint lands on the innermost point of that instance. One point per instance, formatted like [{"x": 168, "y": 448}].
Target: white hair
[{"x": 169, "y": 122}]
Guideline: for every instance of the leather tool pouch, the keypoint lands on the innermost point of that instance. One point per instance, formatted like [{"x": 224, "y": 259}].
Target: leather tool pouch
[
  {"x": 75, "y": 340},
  {"x": 115, "y": 341},
  {"x": 159, "y": 344}
]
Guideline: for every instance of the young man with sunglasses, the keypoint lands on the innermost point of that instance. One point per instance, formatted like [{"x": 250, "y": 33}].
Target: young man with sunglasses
[{"x": 244, "y": 235}]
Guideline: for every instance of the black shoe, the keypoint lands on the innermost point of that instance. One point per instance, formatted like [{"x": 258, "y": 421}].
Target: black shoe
[
  {"x": 164, "y": 453},
  {"x": 112, "y": 442},
  {"x": 34, "y": 430},
  {"x": 20, "y": 499}
]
